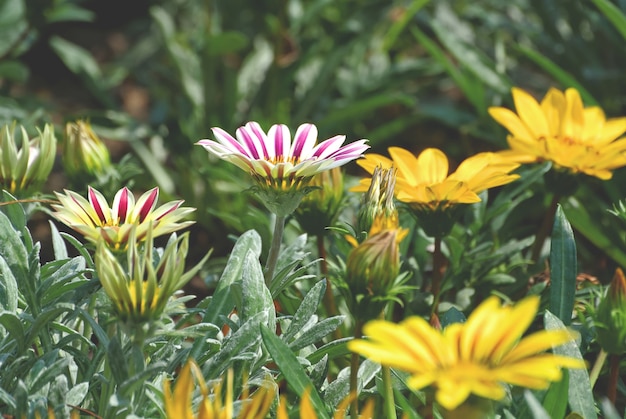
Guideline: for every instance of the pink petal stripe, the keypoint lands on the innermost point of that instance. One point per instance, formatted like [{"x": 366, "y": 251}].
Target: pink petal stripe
[
  {"x": 328, "y": 146},
  {"x": 282, "y": 139},
  {"x": 255, "y": 129},
  {"x": 226, "y": 139},
  {"x": 148, "y": 206},
  {"x": 246, "y": 139},
  {"x": 121, "y": 205},
  {"x": 81, "y": 205},
  {"x": 304, "y": 140},
  {"x": 95, "y": 203}
]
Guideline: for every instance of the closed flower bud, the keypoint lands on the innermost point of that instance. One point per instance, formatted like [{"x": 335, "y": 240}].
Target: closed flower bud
[
  {"x": 319, "y": 209},
  {"x": 372, "y": 268},
  {"x": 25, "y": 163},
  {"x": 83, "y": 151},
  {"x": 378, "y": 210},
  {"x": 611, "y": 316}
]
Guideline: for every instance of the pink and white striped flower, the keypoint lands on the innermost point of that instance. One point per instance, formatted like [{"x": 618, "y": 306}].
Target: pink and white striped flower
[
  {"x": 94, "y": 218},
  {"x": 275, "y": 161}
]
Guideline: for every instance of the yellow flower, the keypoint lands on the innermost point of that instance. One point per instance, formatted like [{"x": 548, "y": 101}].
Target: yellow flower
[
  {"x": 559, "y": 129},
  {"x": 424, "y": 181},
  {"x": 308, "y": 412},
  {"x": 95, "y": 219},
  {"x": 477, "y": 357},
  {"x": 178, "y": 403}
]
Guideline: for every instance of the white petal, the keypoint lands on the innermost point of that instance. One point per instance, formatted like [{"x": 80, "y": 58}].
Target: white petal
[
  {"x": 303, "y": 141},
  {"x": 281, "y": 137}
]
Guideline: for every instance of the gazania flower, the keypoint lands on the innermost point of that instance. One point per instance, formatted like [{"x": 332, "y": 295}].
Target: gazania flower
[
  {"x": 281, "y": 168},
  {"x": 94, "y": 218},
  {"x": 308, "y": 412},
  {"x": 559, "y": 129},
  {"x": 83, "y": 151},
  {"x": 424, "y": 181},
  {"x": 477, "y": 357},
  {"x": 178, "y": 403}
]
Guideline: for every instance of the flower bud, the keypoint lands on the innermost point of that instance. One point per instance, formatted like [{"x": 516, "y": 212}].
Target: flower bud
[
  {"x": 83, "y": 151},
  {"x": 378, "y": 210},
  {"x": 25, "y": 163},
  {"x": 319, "y": 209},
  {"x": 611, "y": 316}
]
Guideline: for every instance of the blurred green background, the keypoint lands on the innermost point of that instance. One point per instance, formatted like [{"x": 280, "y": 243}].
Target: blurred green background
[{"x": 154, "y": 76}]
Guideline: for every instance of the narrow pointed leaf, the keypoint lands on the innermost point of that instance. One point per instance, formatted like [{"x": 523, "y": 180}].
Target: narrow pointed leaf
[{"x": 563, "y": 268}]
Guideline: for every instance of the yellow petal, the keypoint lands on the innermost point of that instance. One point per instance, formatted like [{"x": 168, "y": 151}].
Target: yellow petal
[
  {"x": 432, "y": 166},
  {"x": 553, "y": 107},
  {"x": 509, "y": 120},
  {"x": 573, "y": 120},
  {"x": 530, "y": 113},
  {"x": 536, "y": 343},
  {"x": 407, "y": 164}
]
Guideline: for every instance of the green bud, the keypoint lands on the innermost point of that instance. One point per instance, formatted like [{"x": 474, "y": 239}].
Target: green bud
[
  {"x": 377, "y": 205},
  {"x": 25, "y": 163},
  {"x": 83, "y": 151},
  {"x": 611, "y": 316},
  {"x": 319, "y": 209}
]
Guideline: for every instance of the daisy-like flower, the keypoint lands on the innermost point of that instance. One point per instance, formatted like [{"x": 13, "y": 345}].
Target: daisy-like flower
[
  {"x": 477, "y": 357},
  {"x": 561, "y": 130},
  {"x": 282, "y": 168},
  {"x": 94, "y": 218},
  {"x": 425, "y": 184},
  {"x": 178, "y": 403}
]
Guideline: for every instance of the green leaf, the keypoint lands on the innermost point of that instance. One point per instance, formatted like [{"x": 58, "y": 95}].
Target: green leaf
[
  {"x": 451, "y": 316},
  {"x": 305, "y": 312},
  {"x": 565, "y": 78},
  {"x": 58, "y": 245},
  {"x": 538, "y": 412},
  {"x": 255, "y": 294},
  {"x": 339, "y": 389},
  {"x": 580, "y": 394},
  {"x": 316, "y": 332},
  {"x": 226, "y": 43},
  {"x": 77, "y": 59},
  {"x": 14, "y": 70},
  {"x": 555, "y": 399},
  {"x": 398, "y": 25},
  {"x": 563, "y": 268},
  {"x": 614, "y": 14},
  {"x": 334, "y": 349},
  {"x": 13, "y": 325},
  {"x": 8, "y": 288},
  {"x": 68, "y": 12},
  {"x": 117, "y": 361},
  {"x": 292, "y": 370}
]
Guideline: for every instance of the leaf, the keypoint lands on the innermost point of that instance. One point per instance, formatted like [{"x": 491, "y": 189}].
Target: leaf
[
  {"x": 614, "y": 14},
  {"x": 226, "y": 43},
  {"x": 255, "y": 294},
  {"x": 316, "y": 332},
  {"x": 292, "y": 370},
  {"x": 398, "y": 25},
  {"x": 451, "y": 316},
  {"x": 339, "y": 389},
  {"x": 77, "y": 59},
  {"x": 563, "y": 268},
  {"x": 307, "y": 309},
  {"x": 58, "y": 245},
  {"x": 580, "y": 395},
  {"x": 117, "y": 361},
  {"x": 565, "y": 78},
  {"x": 8, "y": 288},
  {"x": 13, "y": 325},
  {"x": 14, "y": 70},
  {"x": 555, "y": 399},
  {"x": 538, "y": 412}
]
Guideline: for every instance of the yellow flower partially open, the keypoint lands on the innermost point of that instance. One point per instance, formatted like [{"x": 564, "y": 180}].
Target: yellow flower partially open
[
  {"x": 476, "y": 357},
  {"x": 561, "y": 130},
  {"x": 424, "y": 181}
]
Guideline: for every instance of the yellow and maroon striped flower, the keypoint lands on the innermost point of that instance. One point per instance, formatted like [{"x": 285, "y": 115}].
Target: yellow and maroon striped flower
[{"x": 94, "y": 218}]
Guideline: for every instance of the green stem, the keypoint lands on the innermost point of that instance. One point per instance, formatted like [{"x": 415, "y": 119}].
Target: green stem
[
  {"x": 438, "y": 268},
  {"x": 354, "y": 372},
  {"x": 329, "y": 298},
  {"x": 611, "y": 391},
  {"x": 546, "y": 227},
  {"x": 390, "y": 405},
  {"x": 272, "y": 258},
  {"x": 597, "y": 367}
]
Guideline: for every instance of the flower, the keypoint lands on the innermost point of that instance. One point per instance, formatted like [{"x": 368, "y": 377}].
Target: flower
[
  {"x": 178, "y": 403},
  {"x": 140, "y": 288},
  {"x": 26, "y": 168},
  {"x": 559, "y": 129},
  {"x": 308, "y": 412},
  {"x": 477, "y": 357},
  {"x": 95, "y": 219},
  {"x": 610, "y": 319},
  {"x": 424, "y": 184},
  {"x": 378, "y": 211},
  {"x": 83, "y": 151},
  {"x": 282, "y": 169}
]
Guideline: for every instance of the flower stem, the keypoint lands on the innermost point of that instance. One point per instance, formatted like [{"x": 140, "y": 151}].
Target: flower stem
[
  {"x": 597, "y": 367},
  {"x": 545, "y": 228},
  {"x": 329, "y": 298},
  {"x": 390, "y": 405},
  {"x": 611, "y": 391},
  {"x": 272, "y": 258},
  {"x": 354, "y": 372},
  {"x": 438, "y": 269}
]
